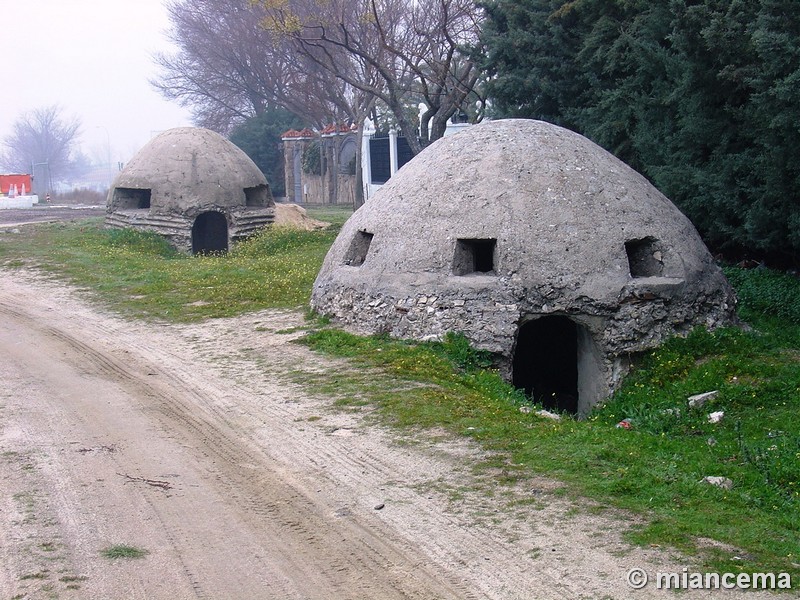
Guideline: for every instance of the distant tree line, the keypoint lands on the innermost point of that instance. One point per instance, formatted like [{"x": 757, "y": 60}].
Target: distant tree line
[{"x": 701, "y": 96}]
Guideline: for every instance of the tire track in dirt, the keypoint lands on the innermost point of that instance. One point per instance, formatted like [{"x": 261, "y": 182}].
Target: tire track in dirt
[
  {"x": 268, "y": 503},
  {"x": 339, "y": 560},
  {"x": 351, "y": 465},
  {"x": 342, "y": 461}
]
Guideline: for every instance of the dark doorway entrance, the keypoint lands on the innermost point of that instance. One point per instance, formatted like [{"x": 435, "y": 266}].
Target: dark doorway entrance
[
  {"x": 210, "y": 233},
  {"x": 546, "y": 362}
]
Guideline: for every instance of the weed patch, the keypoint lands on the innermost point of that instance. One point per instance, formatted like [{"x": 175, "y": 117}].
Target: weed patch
[
  {"x": 138, "y": 273},
  {"x": 123, "y": 551}
]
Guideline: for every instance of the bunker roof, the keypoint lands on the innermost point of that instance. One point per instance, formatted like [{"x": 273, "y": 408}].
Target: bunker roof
[{"x": 189, "y": 168}]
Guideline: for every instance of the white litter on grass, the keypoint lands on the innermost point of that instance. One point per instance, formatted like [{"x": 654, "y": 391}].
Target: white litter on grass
[
  {"x": 548, "y": 415},
  {"x": 698, "y": 400},
  {"x": 722, "y": 482}
]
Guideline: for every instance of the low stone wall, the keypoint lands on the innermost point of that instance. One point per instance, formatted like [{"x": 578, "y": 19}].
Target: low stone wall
[
  {"x": 490, "y": 310},
  {"x": 177, "y": 228}
]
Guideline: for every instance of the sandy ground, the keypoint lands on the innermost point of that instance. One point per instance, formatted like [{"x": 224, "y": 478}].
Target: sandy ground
[
  {"x": 192, "y": 443},
  {"x": 44, "y": 213}
]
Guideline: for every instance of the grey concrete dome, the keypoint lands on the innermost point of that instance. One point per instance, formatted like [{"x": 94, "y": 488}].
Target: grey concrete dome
[
  {"x": 186, "y": 174},
  {"x": 537, "y": 244}
]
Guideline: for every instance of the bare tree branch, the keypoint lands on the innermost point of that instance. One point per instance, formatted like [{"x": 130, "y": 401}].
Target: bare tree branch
[
  {"x": 42, "y": 135},
  {"x": 402, "y": 52},
  {"x": 230, "y": 68}
]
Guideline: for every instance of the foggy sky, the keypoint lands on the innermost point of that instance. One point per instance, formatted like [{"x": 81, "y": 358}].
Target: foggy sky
[{"x": 94, "y": 59}]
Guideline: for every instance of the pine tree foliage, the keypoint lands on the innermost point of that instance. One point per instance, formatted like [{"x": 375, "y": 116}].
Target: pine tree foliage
[
  {"x": 702, "y": 96},
  {"x": 260, "y": 138}
]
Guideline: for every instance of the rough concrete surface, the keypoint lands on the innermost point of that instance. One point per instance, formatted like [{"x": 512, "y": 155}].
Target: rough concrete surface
[
  {"x": 511, "y": 221},
  {"x": 183, "y": 175},
  {"x": 190, "y": 168}
]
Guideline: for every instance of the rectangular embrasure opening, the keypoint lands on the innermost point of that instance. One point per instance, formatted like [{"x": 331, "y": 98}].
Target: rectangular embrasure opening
[
  {"x": 359, "y": 247},
  {"x": 645, "y": 258},
  {"x": 474, "y": 256},
  {"x": 131, "y": 198},
  {"x": 256, "y": 196}
]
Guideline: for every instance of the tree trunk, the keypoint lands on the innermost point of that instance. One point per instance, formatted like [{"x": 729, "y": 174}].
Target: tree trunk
[{"x": 358, "y": 199}]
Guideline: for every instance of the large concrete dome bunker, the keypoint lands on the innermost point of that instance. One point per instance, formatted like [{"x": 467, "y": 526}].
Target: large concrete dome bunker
[
  {"x": 195, "y": 188},
  {"x": 539, "y": 246}
]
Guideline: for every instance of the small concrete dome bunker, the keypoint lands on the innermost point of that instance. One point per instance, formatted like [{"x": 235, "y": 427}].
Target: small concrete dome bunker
[
  {"x": 539, "y": 246},
  {"x": 194, "y": 187}
]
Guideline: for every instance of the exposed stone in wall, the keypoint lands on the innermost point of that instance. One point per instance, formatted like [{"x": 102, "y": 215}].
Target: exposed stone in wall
[{"x": 491, "y": 319}]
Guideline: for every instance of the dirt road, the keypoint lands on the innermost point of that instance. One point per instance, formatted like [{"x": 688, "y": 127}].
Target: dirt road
[
  {"x": 45, "y": 213},
  {"x": 192, "y": 444}
]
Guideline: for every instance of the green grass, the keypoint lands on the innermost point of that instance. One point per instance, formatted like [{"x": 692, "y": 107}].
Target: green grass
[
  {"x": 141, "y": 275},
  {"x": 123, "y": 551},
  {"x": 654, "y": 469},
  {"x": 335, "y": 215}
]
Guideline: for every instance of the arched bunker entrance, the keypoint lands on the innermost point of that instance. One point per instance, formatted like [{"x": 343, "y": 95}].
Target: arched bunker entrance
[
  {"x": 556, "y": 362},
  {"x": 210, "y": 233}
]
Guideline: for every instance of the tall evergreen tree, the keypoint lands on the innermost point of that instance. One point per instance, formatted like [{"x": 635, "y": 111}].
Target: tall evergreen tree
[
  {"x": 530, "y": 56},
  {"x": 260, "y": 138},
  {"x": 700, "y": 96}
]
